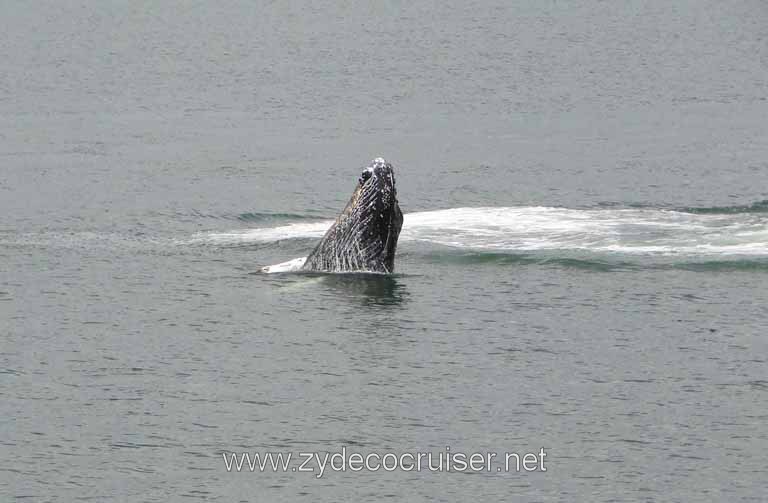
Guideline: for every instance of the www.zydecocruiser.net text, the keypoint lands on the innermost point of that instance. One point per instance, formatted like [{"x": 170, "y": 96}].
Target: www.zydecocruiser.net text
[{"x": 319, "y": 463}]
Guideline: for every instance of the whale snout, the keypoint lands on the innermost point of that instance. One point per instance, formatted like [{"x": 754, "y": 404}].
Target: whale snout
[
  {"x": 381, "y": 167},
  {"x": 380, "y": 172}
]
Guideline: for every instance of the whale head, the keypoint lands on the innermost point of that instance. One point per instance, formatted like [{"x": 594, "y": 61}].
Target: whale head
[{"x": 364, "y": 236}]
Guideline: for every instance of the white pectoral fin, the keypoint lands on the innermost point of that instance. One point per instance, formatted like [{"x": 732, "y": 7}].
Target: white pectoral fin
[{"x": 289, "y": 266}]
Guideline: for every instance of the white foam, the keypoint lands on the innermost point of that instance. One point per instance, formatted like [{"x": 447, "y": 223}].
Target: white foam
[
  {"x": 604, "y": 230},
  {"x": 641, "y": 231}
]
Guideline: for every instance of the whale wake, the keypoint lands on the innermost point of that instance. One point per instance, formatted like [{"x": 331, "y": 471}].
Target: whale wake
[{"x": 632, "y": 231}]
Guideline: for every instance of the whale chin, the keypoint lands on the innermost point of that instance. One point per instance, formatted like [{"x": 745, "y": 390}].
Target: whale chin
[{"x": 364, "y": 236}]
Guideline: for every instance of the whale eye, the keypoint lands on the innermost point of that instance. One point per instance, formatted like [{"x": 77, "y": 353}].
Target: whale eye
[{"x": 365, "y": 175}]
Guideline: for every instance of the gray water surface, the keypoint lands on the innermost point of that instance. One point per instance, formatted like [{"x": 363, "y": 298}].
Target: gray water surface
[{"x": 145, "y": 148}]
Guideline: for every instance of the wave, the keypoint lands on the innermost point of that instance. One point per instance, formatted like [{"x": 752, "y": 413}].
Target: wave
[
  {"x": 596, "y": 263},
  {"x": 538, "y": 229},
  {"x": 271, "y": 217},
  {"x": 758, "y": 207}
]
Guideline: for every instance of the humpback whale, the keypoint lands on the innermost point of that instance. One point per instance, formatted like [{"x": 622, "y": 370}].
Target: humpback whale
[{"x": 364, "y": 236}]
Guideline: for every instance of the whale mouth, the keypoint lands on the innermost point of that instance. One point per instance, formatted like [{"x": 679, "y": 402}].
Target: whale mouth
[{"x": 364, "y": 236}]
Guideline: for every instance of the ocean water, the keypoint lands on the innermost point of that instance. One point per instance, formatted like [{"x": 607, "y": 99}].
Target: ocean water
[{"x": 582, "y": 267}]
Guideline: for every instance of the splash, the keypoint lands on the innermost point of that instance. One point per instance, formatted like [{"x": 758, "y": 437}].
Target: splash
[{"x": 531, "y": 229}]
